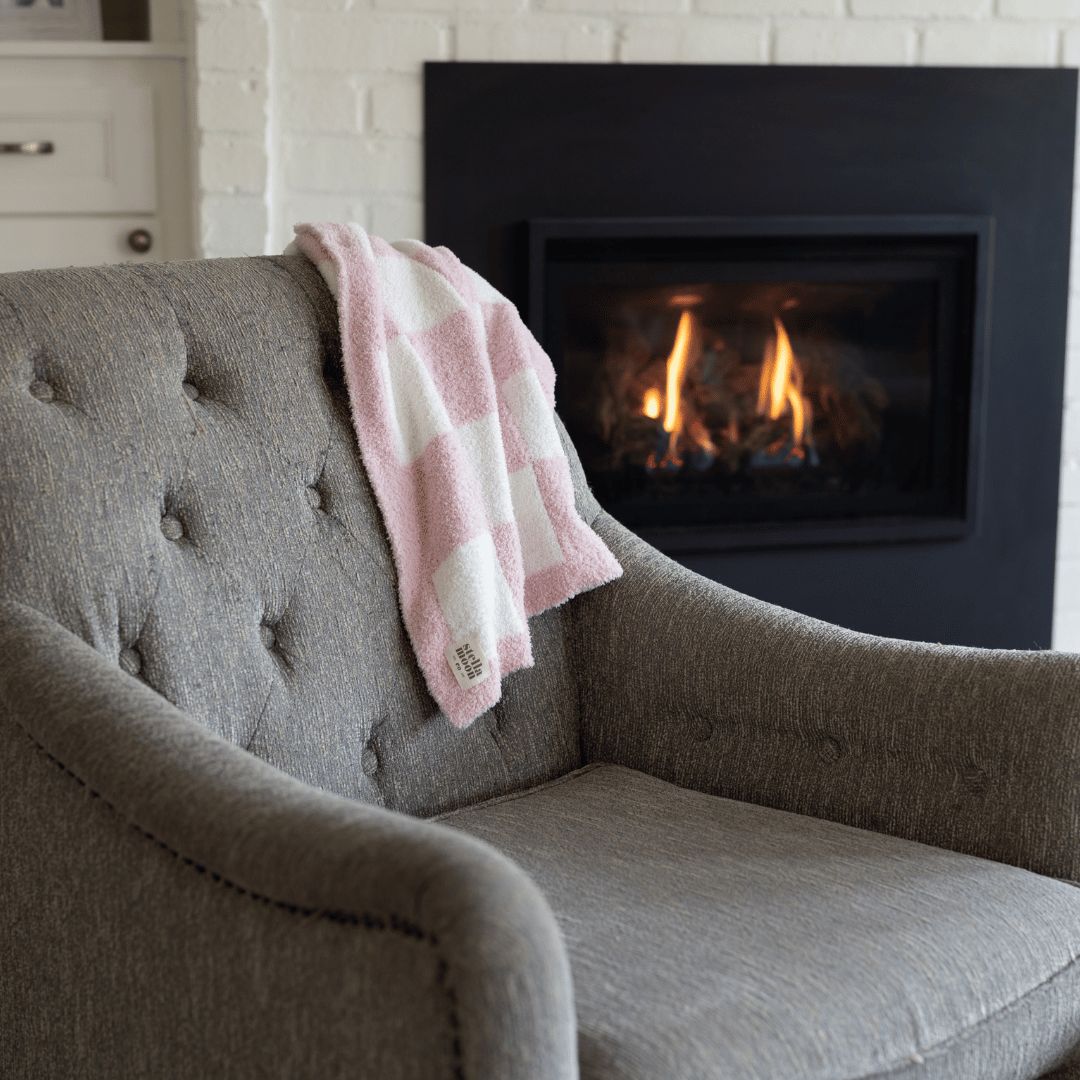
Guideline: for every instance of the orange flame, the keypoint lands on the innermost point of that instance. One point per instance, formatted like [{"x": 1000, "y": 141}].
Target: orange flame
[
  {"x": 675, "y": 367},
  {"x": 680, "y": 420},
  {"x": 781, "y": 382}
]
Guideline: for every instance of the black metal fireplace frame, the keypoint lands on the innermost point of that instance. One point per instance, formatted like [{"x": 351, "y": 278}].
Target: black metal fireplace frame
[{"x": 593, "y": 234}]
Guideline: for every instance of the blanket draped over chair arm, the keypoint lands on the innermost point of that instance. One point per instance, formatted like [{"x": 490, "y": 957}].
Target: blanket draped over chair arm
[
  {"x": 188, "y": 910},
  {"x": 967, "y": 749}
]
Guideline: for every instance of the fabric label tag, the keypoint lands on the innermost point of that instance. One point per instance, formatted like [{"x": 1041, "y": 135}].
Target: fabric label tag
[{"x": 468, "y": 662}]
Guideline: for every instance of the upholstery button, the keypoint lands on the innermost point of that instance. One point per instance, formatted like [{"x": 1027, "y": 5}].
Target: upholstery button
[
  {"x": 130, "y": 661},
  {"x": 171, "y": 527},
  {"x": 976, "y": 780},
  {"x": 314, "y": 499},
  {"x": 828, "y": 748},
  {"x": 267, "y": 636},
  {"x": 192, "y": 391},
  {"x": 42, "y": 390},
  {"x": 369, "y": 761}
]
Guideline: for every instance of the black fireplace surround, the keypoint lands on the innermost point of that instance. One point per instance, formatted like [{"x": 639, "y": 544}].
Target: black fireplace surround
[{"x": 808, "y": 323}]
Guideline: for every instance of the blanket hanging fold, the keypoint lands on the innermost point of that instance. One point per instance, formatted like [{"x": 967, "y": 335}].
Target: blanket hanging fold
[{"x": 453, "y": 405}]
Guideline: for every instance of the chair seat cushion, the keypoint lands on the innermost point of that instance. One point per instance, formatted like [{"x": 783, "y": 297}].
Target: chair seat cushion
[{"x": 717, "y": 939}]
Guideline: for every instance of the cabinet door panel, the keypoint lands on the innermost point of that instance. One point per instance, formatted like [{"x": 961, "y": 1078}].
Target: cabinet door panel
[
  {"x": 37, "y": 243},
  {"x": 103, "y": 148}
]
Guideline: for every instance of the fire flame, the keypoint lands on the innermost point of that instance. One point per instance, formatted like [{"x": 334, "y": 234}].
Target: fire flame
[
  {"x": 679, "y": 416},
  {"x": 675, "y": 367},
  {"x": 781, "y": 385}
]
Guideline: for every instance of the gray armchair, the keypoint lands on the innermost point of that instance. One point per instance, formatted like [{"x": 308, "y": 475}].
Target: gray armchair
[{"x": 702, "y": 839}]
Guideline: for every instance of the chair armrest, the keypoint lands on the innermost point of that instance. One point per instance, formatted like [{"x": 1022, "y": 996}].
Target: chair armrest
[
  {"x": 969, "y": 749},
  {"x": 174, "y": 907}
]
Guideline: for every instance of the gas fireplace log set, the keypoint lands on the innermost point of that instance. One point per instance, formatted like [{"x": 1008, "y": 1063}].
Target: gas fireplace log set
[{"x": 808, "y": 323}]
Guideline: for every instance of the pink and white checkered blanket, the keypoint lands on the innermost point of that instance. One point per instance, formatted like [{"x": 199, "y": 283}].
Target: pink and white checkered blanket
[{"x": 453, "y": 403}]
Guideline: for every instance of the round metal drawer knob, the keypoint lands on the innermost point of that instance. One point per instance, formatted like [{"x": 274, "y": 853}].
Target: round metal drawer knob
[{"x": 140, "y": 240}]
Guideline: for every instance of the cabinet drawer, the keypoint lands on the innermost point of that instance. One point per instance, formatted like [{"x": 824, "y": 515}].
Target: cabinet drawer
[
  {"x": 103, "y": 148},
  {"x": 36, "y": 243}
]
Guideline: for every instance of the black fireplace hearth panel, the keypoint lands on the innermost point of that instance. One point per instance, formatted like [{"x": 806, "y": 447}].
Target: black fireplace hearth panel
[{"x": 808, "y": 323}]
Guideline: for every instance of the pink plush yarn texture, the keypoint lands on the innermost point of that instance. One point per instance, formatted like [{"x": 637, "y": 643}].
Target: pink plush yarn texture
[{"x": 453, "y": 404}]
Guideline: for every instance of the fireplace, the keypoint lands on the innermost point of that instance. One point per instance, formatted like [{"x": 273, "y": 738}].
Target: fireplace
[
  {"x": 760, "y": 382},
  {"x": 867, "y": 269}
]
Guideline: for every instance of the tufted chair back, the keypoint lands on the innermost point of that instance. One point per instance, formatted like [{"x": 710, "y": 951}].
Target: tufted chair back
[{"x": 181, "y": 488}]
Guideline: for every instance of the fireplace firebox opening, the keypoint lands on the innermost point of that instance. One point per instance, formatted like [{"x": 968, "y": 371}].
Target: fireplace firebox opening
[{"x": 759, "y": 382}]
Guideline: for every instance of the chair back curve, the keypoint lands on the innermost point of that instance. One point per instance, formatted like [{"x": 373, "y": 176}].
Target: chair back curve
[{"x": 181, "y": 488}]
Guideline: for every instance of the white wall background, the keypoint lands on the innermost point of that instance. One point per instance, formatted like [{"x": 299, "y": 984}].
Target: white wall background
[{"x": 311, "y": 109}]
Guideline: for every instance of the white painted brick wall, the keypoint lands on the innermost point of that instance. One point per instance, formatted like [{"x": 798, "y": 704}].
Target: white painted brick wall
[
  {"x": 232, "y": 164},
  {"x": 228, "y": 102},
  {"x": 233, "y": 93},
  {"x": 845, "y": 41},
  {"x": 923, "y": 9},
  {"x": 360, "y": 40},
  {"x": 322, "y": 104},
  {"x": 396, "y": 107},
  {"x": 779, "y": 7},
  {"x": 991, "y": 44},
  {"x": 232, "y": 39},
  {"x": 707, "y": 40},
  {"x": 1040, "y": 9},
  {"x": 311, "y": 109},
  {"x": 537, "y": 37}
]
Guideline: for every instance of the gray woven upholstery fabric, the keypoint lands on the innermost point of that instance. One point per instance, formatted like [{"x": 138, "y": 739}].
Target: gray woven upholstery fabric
[
  {"x": 175, "y": 908},
  {"x": 974, "y": 750},
  {"x": 180, "y": 486},
  {"x": 717, "y": 940}
]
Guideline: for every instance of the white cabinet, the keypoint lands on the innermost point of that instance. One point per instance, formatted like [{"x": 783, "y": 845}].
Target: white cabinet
[
  {"x": 96, "y": 157},
  {"x": 39, "y": 241},
  {"x": 76, "y": 147}
]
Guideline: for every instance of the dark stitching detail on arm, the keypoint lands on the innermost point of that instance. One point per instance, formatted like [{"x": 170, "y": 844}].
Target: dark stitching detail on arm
[{"x": 393, "y": 924}]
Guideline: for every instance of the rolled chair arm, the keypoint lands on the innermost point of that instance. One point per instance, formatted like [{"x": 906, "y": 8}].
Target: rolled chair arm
[
  {"x": 175, "y": 907},
  {"x": 969, "y": 749}
]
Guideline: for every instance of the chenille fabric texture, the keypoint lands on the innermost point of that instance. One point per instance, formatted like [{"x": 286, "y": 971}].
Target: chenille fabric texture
[{"x": 453, "y": 404}]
